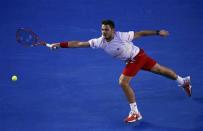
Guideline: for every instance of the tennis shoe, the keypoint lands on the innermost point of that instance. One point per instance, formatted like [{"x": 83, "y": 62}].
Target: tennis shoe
[
  {"x": 187, "y": 86},
  {"x": 133, "y": 117}
]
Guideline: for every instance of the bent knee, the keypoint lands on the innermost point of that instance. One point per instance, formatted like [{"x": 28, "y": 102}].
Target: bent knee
[{"x": 123, "y": 83}]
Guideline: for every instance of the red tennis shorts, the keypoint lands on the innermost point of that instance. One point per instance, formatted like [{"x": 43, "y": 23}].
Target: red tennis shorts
[{"x": 140, "y": 61}]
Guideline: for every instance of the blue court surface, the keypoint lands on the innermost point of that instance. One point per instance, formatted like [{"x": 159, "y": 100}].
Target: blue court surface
[{"x": 77, "y": 89}]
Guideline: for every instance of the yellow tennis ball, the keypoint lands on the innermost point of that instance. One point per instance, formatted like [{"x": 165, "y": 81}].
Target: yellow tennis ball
[{"x": 14, "y": 78}]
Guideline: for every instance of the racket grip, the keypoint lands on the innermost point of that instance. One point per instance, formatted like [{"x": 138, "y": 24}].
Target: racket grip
[{"x": 50, "y": 46}]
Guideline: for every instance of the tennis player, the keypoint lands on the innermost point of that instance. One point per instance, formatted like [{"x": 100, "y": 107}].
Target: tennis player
[{"x": 120, "y": 45}]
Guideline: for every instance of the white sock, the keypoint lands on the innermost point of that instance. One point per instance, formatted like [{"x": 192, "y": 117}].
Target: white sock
[
  {"x": 133, "y": 107},
  {"x": 180, "y": 80}
]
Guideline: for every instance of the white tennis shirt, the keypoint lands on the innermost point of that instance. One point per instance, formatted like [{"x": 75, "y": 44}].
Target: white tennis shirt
[{"x": 121, "y": 46}]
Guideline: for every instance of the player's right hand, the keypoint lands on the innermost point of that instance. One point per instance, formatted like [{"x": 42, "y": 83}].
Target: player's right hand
[{"x": 54, "y": 46}]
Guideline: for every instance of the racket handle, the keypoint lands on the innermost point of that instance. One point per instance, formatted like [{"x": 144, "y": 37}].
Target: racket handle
[{"x": 50, "y": 46}]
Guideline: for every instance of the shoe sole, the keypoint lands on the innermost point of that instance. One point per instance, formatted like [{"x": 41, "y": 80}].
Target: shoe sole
[
  {"x": 134, "y": 120},
  {"x": 189, "y": 92}
]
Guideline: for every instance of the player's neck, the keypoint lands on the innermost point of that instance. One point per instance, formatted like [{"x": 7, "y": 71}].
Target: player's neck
[{"x": 110, "y": 38}]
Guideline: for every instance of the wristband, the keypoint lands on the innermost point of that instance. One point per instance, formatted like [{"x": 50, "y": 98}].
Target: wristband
[
  {"x": 157, "y": 32},
  {"x": 64, "y": 45}
]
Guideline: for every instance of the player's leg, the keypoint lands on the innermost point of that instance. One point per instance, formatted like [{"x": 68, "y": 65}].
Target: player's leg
[
  {"x": 164, "y": 71},
  {"x": 124, "y": 82},
  {"x": 169, "y": 73},
  {"x": 131, "y": 69}
]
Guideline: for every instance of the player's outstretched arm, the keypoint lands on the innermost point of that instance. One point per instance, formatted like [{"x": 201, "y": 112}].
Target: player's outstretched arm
[
  {"x": 70, "y": 44},
  {"x": 150, "y": 33}
]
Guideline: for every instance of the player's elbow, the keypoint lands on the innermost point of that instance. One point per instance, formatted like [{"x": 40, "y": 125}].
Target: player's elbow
[
  {"x": 79, "y": 44},
  {"x": 83, "y": 44}
]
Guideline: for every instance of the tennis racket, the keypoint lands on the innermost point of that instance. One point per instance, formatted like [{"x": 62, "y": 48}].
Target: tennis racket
[{"x": 28, "y": 38}]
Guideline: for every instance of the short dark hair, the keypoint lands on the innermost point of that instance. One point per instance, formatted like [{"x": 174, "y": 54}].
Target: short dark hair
[{"x": 108, "y": 22}]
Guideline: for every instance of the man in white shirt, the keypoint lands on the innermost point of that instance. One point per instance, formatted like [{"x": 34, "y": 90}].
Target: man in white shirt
[{"x": 120, "y": 45}]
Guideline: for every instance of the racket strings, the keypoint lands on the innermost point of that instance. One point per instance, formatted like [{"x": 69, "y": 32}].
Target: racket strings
[{"x": 27, "y": 37}]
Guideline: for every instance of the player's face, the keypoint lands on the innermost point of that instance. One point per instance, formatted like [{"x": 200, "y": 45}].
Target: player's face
[{"x": 107, "y": 32}]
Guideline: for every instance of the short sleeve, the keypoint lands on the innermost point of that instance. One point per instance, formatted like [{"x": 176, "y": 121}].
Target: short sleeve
[
  {"x": 95, "y": 43},
  {"x": 126, "y": 36}
]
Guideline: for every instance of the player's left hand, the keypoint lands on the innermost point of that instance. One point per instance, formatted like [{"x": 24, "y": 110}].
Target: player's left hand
[{"x": 163, "y": 33}]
